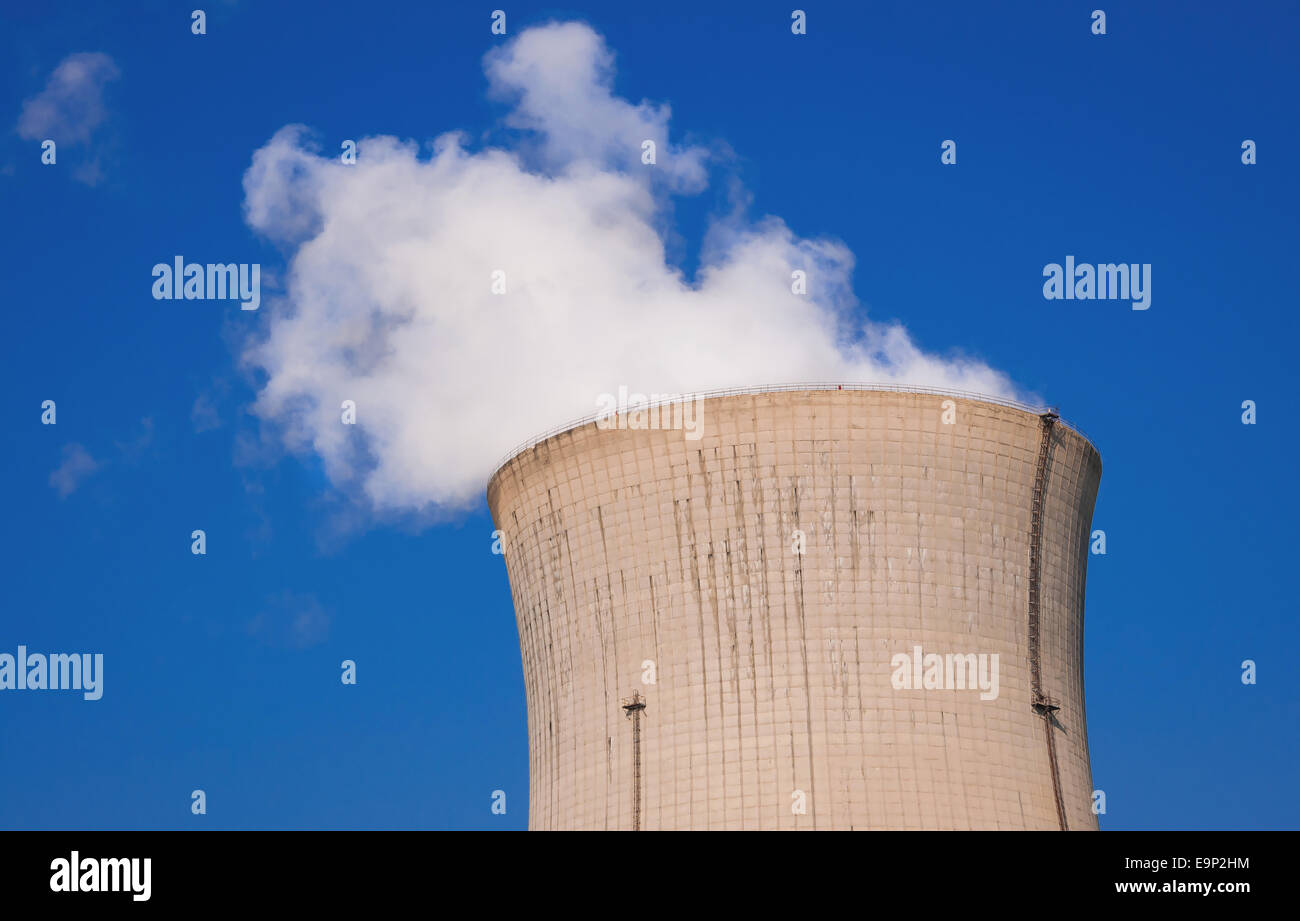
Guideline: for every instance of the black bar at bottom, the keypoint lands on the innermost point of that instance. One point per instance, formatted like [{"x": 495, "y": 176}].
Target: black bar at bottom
[{"x": 332, "y": 870}]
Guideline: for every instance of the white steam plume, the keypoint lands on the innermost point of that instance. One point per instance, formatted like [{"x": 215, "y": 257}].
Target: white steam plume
[{"x": 389, "y": 300}]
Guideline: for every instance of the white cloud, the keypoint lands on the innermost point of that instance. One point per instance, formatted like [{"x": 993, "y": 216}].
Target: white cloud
[
  {"x": 389, "y": 303},
  {"x": 76, "y": 467},
  {"x": 71, "y": 106}
]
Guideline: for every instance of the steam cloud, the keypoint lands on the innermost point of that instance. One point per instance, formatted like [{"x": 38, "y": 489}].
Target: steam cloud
[{"x": 388, "y": 298}]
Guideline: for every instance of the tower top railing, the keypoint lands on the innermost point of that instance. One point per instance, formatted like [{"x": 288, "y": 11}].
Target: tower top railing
[{"x": 785, "y": 388}]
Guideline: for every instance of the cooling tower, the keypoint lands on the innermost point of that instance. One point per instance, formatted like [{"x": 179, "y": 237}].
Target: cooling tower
[{"x": 821, "y": 609}]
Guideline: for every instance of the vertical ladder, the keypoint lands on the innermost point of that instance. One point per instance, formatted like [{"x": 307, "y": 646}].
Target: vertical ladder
[
  {"x": 1043, "y": 705},
  {"x": 633, "y": 706}
]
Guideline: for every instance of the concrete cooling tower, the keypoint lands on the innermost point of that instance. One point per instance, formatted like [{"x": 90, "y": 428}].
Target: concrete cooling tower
[{"x": 804, "y": 608}]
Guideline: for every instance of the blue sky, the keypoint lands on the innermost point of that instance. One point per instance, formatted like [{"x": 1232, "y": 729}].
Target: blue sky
[{"x": 222, "y": 670}]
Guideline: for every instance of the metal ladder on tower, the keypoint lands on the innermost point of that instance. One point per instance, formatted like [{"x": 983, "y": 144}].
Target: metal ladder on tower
[
  {"x": 633, "y": 706},
  {"x": 1044, "y": 705}
]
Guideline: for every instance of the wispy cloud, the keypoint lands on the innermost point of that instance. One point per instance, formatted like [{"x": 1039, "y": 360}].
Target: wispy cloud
[
  {"x": 77, "y": 466},
  {"x": 133, "y": 449},
  {"x": 291, "y": 620},
  {"x": 206, "y": 413},
  {"x": 204, "y": 416},
  {"x": 71, "y": 108}
]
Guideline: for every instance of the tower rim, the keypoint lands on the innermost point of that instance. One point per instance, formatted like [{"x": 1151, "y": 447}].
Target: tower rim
[{"x": 808, "y": 387}]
